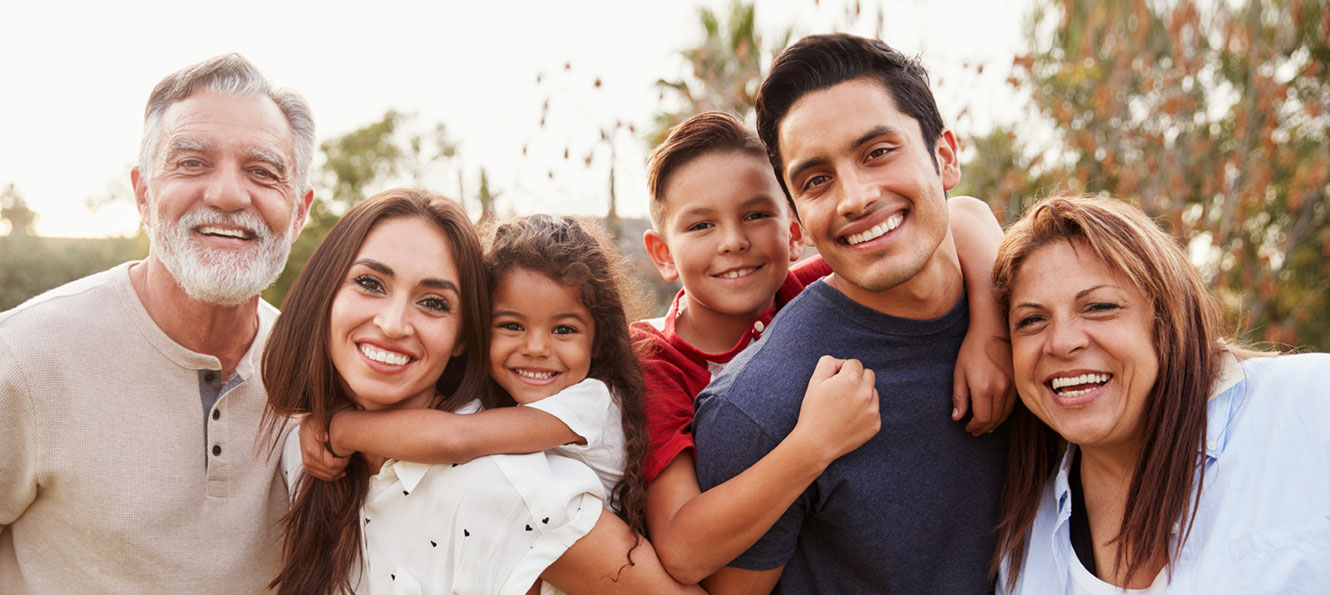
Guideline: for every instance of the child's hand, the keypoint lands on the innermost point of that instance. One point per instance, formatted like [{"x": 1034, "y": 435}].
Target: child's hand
[
  {"x": 840, "y": 407},
  {"x": 983, "y": 382},
  {"x": 319, "y": 460}
]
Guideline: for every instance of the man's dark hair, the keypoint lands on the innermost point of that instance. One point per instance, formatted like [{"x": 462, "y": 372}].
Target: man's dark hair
[{"x": 817, "y": 62}]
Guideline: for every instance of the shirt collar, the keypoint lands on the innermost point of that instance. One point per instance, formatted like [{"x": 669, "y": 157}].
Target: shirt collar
[
  {"x": 408, "y": 473},
  {"x": 1062, "y": 484},
  {"x": 1223, "y": 396}
]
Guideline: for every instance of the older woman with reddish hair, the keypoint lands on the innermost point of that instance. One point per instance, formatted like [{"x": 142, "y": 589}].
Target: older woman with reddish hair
[{"x": 1148, "y": 454}]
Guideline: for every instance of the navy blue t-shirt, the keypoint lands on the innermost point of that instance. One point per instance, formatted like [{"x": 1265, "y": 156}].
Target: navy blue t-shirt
[{"x": 914, "y": 509}]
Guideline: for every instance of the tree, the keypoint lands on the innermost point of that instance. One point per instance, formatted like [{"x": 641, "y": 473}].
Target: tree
[
  {"x": 1213, "y": 120},
  {"x": 726, "y": 69},
  {"x": 15, "y": 212}
]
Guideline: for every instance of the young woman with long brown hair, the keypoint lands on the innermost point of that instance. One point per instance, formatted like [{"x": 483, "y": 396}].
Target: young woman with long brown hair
[{"x": 391, "y": 313}]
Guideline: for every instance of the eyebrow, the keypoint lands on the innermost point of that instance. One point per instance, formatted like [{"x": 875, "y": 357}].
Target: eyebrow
[
  {"x": 851, "y": 146},
  {"x": 272, "y": 159},
  {"x": 1079, "y": 295},
  {"x": 701, "y": 211},
  {"x": 516, "y": 314},
  {"x": 186, "y": 144},
  {"x": 431, "y": 282}
]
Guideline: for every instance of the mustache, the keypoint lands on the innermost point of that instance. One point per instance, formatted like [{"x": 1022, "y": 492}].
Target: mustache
[{"x": 249, "y": 221}]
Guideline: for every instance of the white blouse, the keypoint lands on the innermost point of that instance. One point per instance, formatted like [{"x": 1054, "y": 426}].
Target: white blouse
[{"x": 490, "y": 526}]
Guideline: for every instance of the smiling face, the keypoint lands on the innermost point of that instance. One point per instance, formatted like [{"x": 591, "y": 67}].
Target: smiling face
[
  {"x": 394, "y": 321},
  {"x": 727, "y": 234},
  {"x": 541, "y": 337},
  {"x": 1082, "y": 346},
  {"x": 869, "y": 193},
  {"x": 220, "y": 204}
]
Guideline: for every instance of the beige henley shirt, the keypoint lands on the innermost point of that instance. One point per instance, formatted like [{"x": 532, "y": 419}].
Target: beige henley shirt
[{"x": 109, "y": 480}]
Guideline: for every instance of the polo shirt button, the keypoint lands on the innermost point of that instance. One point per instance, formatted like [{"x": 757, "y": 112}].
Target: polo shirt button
[
  {"x": 210, "y": 376},
  {"x": 216, "y": 414},
  {"x": 758, "y": 326},
  {"x": 1212, "y": 445},
  {"x": 216, "y": 450}
]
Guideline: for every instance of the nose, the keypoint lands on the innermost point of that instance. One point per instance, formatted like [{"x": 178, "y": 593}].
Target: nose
[
  {"x": 536, "y": 344},
  {"x": 1065, "y": 338},
  {"x": 392, "y": 320},
  {"x": 225, "y": 190},
  {"x": 734, "y": 240},
  {"x": 858, "y": 193}
]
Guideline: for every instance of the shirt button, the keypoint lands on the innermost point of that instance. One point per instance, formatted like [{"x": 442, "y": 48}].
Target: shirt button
[
  {"x": 210, "y": 376},
  {"x": 216, "y": 414},
  {"x": 216, "y": 450},
  {"x": 1212, "y": 445},
  {"x": 758, "y": 326}
]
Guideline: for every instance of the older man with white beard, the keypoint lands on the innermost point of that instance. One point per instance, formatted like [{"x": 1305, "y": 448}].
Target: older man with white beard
[{"x": 130, "y": 400}]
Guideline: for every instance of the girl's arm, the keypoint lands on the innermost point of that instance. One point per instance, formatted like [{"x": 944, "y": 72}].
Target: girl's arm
[
  {"x": 437, "y": 437},
  {"x": 598, "y": 563},
  {"x": 697, "y": 533},
  {"x": 428, "y": 436},
  {"x": 983, "y": 378}
]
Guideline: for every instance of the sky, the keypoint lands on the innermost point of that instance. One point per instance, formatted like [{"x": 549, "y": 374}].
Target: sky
[{"x": 76, "y": 77}]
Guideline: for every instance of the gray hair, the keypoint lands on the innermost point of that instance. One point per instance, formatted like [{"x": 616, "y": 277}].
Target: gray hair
[{"x": 234, "y": 75}]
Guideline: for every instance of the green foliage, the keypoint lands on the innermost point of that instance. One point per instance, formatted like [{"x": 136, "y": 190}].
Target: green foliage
[
  {"x": 33, "y": 265},
  {"x": 1212, "y": 118},
  {"x": 726, "y": 69}
]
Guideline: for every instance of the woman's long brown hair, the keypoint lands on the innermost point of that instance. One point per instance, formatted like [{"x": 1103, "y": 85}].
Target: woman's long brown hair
[
  {"x": 571, "y": 254},
  {"x": 1173, "y": 425},
  {"x": 322, "y": 545}
]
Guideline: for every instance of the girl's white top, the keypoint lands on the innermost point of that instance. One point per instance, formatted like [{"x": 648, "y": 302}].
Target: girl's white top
[
  {"x": 589, "y": 410},
  {"x": 490, "y": 526}
]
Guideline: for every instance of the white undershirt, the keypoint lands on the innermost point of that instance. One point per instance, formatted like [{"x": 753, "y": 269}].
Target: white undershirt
[{"x": 1085, "y": 583}]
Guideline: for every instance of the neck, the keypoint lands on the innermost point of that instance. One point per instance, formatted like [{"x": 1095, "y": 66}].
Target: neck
[
  {"x": 930, "y": 293},
  {"x": 224, "y": 332},
  {"x": 710, "y": 331},
  {"x": 1106, "y": 475}
]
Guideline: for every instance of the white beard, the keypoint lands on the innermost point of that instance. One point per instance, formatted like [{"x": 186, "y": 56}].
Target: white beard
[{"x": 220, "y": 277}]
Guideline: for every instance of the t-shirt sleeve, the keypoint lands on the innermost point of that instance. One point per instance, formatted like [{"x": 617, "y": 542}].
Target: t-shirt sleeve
[
  {"x": 729, "y": 442},
  {"x": 669, "y": 409},
  {"x": 584, "y": 407}
]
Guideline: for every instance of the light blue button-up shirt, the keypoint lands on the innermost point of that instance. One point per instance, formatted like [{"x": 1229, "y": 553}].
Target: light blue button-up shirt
[{"x": 1263, "y": 523}]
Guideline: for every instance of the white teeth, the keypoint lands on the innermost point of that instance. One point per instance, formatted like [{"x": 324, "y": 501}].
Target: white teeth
[
  {"x": 737, "y": 274},
  {"x": 891, "y": 223},
  {"x": 384, "y": 357},
  {"x": 1062, "y": 381},
  {"x": 226, "y": 233},
  {"x": 534, "y": 375}
]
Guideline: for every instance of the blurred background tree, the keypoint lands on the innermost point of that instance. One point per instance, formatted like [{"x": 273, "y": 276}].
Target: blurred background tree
[
  {"x": 1211, "y": 117},
  {"x": 34, "y": 264}
]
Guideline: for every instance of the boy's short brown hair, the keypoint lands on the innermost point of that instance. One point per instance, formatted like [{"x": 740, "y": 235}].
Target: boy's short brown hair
[{"x": 704, "y": 133}]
